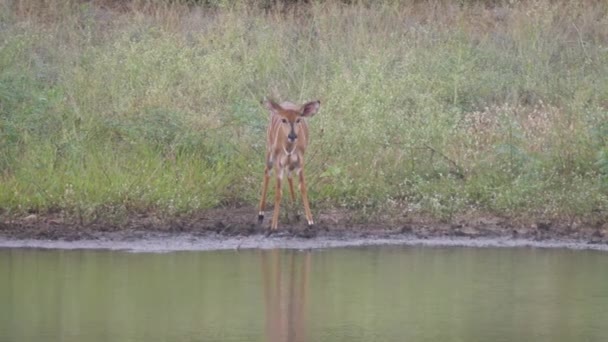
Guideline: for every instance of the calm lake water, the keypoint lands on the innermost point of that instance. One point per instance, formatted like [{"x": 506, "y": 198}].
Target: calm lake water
[{"x": 356, "y": 294}]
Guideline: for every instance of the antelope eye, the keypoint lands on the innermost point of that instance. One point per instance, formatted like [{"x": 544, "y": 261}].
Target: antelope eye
[{"x": 284, "y": 120}]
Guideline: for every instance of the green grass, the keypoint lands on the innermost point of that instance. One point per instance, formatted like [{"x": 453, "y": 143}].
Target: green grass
[{"x": 437, "y": 109}]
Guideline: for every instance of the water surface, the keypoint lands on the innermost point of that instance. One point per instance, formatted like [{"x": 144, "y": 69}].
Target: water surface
[{"x": 354, "y": 294}]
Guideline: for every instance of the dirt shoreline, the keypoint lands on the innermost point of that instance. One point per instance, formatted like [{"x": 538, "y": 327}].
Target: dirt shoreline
[{"x": 237, "y": 228}]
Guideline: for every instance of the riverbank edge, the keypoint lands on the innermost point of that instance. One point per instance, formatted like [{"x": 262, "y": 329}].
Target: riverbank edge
[
  {"x": 164, "y": 243},
  {"x": 236, "y": 228}
]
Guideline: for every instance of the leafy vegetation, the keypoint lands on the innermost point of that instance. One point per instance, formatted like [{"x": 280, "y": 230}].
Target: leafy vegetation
[{"x": 430, "y": 108}]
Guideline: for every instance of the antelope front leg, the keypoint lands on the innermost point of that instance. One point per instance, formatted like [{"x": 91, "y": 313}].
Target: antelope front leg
[
  {"x": 305, "y": 198},
  {"x": 293, "y": 197},
  {"x": 264, "y": 191},
  {"x": 277, "y": 202}
]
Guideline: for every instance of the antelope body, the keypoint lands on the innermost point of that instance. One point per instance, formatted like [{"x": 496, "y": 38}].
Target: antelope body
[{"x": 286, "y": 142}]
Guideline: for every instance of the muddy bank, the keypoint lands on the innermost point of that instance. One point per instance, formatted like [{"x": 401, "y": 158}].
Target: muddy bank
[
  {"x": 234, "y": 228},
  {"x": 159, "y": 243}
]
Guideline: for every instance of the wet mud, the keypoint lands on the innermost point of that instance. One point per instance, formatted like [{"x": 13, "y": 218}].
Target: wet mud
[{"x": 236, "y": 228}]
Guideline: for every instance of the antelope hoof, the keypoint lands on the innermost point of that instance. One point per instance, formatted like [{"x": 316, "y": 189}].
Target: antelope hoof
[
  {"x": 260, "y": 218},
  {"x": 269, "y": 232}
]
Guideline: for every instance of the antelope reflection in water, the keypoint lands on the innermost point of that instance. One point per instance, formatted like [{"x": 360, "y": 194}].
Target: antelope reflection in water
[{"x": 285, "y": 295}]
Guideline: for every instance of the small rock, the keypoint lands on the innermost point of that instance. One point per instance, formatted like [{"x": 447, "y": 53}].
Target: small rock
[
  {"x": 466, "y": 231},
  {"x": 30, "y": 218}
]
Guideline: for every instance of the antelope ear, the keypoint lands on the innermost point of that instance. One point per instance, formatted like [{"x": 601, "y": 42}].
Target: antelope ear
[
  {"x": 272, "y": 106},
  {"x": 311, "y": 108}
]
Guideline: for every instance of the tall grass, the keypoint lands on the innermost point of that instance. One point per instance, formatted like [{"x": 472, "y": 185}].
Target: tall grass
[{"x": 429, "y": 108}]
